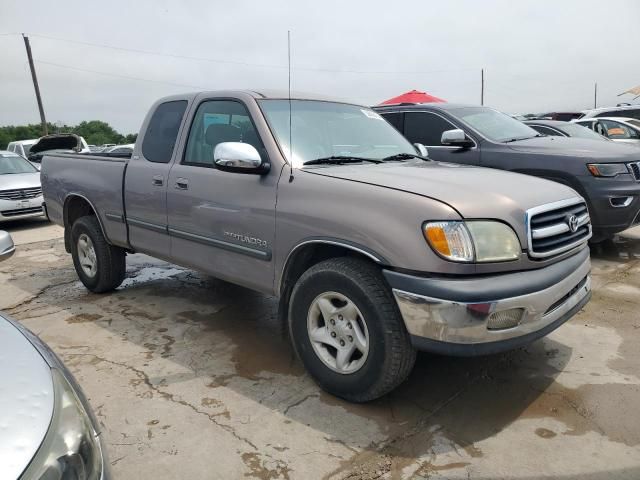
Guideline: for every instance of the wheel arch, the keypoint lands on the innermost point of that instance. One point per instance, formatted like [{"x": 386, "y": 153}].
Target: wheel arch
[
  {"x": 310, "y": 252},
  {"x": 75, "y": 206}
]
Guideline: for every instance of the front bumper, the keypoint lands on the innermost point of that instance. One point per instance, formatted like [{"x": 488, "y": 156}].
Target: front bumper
[
  {"x": 465, "y": 317},
  {"x": 614, "y": 203},
  {"x": 18, "y": 209}
]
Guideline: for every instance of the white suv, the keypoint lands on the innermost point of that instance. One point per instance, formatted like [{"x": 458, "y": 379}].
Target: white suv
[{"x": 21, "y": 147}]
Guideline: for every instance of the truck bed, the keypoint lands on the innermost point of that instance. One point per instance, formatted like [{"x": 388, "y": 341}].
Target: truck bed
[{"x": 97, "y": 179}]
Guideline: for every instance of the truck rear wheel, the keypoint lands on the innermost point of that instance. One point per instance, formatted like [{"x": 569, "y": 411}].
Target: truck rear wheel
[
  {"x": 100, "y": 266},
  {"x": 347, "y": 330}
]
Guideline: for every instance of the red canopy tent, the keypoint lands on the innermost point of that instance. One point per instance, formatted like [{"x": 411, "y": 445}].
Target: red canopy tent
[{"x": 414, "y": 96}]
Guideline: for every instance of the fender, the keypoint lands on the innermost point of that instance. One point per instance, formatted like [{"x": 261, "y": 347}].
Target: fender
[
  {"x": 377, "y": 258},
  {"x": 67, "y": 229}
]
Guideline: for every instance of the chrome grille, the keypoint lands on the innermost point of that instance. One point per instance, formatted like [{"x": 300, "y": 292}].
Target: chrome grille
[
  {"x": 550, "y": 227},
  {"x": 20, "y": 193},
  {"x": 635, "y": 170}
]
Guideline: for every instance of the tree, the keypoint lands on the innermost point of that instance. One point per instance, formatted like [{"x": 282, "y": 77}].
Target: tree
[{"x": 95, "y": 132}]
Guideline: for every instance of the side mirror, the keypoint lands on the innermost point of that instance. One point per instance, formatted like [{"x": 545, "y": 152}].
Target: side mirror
[
  {"x": 422, "y": 150},
  {"x": 240, "y": 158},
  {"x": 456, "y": 138},
  {"x": 6, "y": 246}
]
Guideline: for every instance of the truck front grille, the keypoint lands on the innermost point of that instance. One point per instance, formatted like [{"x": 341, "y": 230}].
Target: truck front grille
[
  {"x": 635, "y": 170},
  {"x": 20, "y": 193},
  {"x": 557, "y": 227}
]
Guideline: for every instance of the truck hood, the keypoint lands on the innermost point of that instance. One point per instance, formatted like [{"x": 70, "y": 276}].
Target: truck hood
[
  {"x": 605, "y": 152},
  {"x": 472, "y": 191},
  {"x": 26, "y": 404},
  {"x": 62, "y": 141}
]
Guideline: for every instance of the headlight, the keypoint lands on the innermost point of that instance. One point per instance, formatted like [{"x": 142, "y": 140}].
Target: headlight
[
  {"x": 473, "y": 241},
  {"x": 607, "y": 169},
  {"x": 70, "y": 449}
]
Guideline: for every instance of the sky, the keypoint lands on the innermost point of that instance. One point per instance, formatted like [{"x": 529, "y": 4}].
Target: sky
[{"x": 111, "y": 60}]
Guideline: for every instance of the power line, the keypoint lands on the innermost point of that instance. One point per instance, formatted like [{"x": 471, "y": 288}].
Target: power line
[
  {"x": 197, "y": 87},
  {"x": 247, "y": 64}
]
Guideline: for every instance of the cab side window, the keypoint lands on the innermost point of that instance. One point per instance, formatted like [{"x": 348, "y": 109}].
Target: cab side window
[
  {"x": 162, "y": 131},
  {"x": 425, "y": 128},
  {"x": 218, "y": 121}
]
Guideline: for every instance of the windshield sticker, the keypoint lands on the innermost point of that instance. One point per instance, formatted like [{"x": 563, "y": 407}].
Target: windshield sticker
[{"x": 371, "y": 114}]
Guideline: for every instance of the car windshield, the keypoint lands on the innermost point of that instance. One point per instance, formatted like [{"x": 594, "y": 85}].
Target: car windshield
[
  {"x": 11, "y": 164},
  {"x": 322, "y": 129},
  {"x": 494, "y": 125},
  {"x": 27, "y": 148},
  {"x": 635, "y": 123},
  {"x": 580, "y": 131}
]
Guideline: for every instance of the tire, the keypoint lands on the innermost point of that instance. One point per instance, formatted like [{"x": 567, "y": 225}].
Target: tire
[
  {"x": 390, "y": 356},
  {"x": 109, "y": 261}
]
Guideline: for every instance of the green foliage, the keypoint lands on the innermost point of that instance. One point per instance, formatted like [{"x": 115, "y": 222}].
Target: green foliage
[{"x": 95, "y": 132}]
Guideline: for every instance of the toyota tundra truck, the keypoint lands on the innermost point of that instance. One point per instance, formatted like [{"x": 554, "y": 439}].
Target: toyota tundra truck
[{"x": 374, "y": 250}]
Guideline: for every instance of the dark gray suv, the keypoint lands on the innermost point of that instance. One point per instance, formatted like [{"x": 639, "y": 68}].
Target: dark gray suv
[{"x": 607, "y": 175}]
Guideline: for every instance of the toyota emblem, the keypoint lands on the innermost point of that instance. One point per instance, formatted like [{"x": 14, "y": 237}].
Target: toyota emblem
[{"x": 572, "y": 221}]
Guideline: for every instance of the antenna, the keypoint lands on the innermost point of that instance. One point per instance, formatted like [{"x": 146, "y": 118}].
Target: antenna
[{"x": 290, "y": 129}]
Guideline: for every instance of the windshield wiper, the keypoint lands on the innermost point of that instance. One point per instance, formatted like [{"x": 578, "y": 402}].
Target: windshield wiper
[
  {"x": 404, "y": 156},
  {"x": 340, "y": 159},
  {"x": 517, "y": 139}
]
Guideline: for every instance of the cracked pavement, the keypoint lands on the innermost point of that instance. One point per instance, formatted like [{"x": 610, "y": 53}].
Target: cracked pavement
[{"x": 192, "y": 377}]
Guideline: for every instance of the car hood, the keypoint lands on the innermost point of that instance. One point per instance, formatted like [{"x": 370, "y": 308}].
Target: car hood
[
  {"x": 26, "y": 401},
  {"x": 474, "y": 192},
  {"x": 19, "y": 180},
  {"x": 578, "y": 147},
  {"x": 66, "y": 141}
]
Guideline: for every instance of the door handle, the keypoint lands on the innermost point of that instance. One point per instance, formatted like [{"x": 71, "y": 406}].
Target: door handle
[
  {"x": 158, "y": 180},
  {"x": 182, "y": 184}
]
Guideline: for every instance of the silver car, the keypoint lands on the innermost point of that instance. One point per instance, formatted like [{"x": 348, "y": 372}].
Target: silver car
[
  {"x": 20, "y": 190},
  {"x": 47, "y": 430}
]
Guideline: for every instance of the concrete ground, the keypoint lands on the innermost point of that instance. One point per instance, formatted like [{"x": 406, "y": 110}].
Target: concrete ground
[{"x": 191, "y": 378}]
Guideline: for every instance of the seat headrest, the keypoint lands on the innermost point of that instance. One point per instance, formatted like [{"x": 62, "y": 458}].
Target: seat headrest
[{"x": 222, "y": 132}]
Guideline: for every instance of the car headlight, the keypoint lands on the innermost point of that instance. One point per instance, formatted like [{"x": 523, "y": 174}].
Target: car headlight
[
  {"x": 473, "y": 241},
  {"x": 607, "y": 169},
  {"x": 71, "y": 449}
]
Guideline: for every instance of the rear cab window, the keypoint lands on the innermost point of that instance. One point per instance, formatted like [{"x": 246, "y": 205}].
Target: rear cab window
[{"x": 162, "y": 131}]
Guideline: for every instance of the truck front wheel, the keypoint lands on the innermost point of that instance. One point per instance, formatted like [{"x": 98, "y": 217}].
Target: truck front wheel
[
  {"x": 100, "y": 266},
  {"x": 347, "y": 330}
]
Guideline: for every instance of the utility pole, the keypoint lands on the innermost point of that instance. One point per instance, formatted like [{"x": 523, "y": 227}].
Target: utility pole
[
  {"x": 482, "y": 87},
  {"x": 595, "y": 95},
  {"x": 43, "y": 120}
]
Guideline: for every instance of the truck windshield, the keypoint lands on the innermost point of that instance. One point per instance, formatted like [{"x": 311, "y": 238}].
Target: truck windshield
[
  {"x": 322, "y": 129},
  {"x": 494, "y": 125},
  {"x": 10, "y": 164}
]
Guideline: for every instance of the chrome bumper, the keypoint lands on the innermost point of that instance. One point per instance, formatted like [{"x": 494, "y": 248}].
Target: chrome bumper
[{"x": 469, "y": 324}]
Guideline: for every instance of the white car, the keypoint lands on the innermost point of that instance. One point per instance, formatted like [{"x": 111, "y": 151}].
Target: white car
[
  {"x": 128, "y": 148},
  {"x": 21, "y": 147},
  {"x": 618, "y": 129},
  {"x": 625, "y": 111},
  {"x": 20, "y": 189},
  {"x": 47, "y": 428}
]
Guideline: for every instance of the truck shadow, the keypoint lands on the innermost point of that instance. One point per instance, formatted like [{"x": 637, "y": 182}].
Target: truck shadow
[{"x": 619, "y": 249}]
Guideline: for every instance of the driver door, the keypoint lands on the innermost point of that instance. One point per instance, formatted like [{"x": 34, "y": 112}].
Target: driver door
[{"x": 222, "y": 222}]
